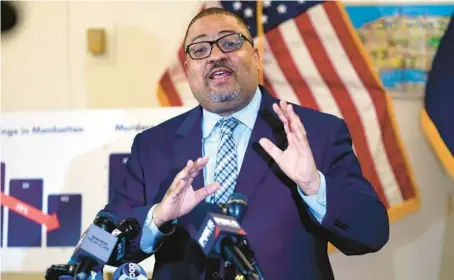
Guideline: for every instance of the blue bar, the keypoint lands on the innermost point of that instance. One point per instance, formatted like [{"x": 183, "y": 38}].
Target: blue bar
[
  {"x": 23, "y": 232},
  {"x": 117, "y": 171},
  {"x": 69, "y": 212},
  {"x": 2, "y": 179}
]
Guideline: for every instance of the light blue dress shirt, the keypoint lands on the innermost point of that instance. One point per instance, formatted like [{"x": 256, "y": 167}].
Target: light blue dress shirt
[{"x": 152, "y": 236}]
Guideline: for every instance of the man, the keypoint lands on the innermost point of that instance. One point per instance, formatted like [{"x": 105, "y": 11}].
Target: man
[{"x": 302, "y": 179}]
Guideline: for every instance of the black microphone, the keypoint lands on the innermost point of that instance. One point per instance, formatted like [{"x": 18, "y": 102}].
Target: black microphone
[
  {"x": 127, "y": 230},
  {"x": 56, "y": 270},
  {"x": 217, "y": 238},
  {"x": 95, "y": 246},
  {"x": 79, "y": 259},
  {"x": 236, "y": 206},
  {"x": 67, "y": 271}
]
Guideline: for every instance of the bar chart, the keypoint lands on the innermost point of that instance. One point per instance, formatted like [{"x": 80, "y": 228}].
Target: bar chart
[
  {"x": 117, "y": 171},
  {"x": 58, "y": 170},
  {"x": 69, "y": 210},
  {"x": 23, "y": 232},
  {"x": 27, "y": 216}
]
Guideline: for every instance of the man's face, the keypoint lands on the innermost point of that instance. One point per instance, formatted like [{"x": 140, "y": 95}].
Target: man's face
[{"x": 222, "y": 82}]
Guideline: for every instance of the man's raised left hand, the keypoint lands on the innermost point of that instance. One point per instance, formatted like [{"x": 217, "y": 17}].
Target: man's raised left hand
[{"x": 296, "y": 161}]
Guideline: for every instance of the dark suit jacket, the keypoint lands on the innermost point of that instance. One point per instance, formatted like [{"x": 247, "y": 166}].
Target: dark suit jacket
[{"x": 289, "y": 243}]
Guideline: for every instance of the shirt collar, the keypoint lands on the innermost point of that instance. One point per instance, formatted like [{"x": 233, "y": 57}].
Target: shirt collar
[{"x": 247, "y": 115}]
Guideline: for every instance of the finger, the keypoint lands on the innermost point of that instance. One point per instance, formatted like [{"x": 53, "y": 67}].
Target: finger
[
  {"x": 181, "y": 187},
  {"x": 204, "y": 192},
  {"x": 195, "y": 168},
  {"x": 270, "y": 148},
  {"x": 282, "y": 117},
  {"x": 184, "y": 174},
  {"x": 284, "y": 108},
  {"x": 291, "y": 139},
  {"x": 295, "y": 144},
  {"x": 283, "y": 105},
  {"x": 189, "y": 172},
  {"x": 202, "y": 162},
  {"x": 198, "y": 165},
  {"x": 280, "y": 113},
  {"x": 293, "y": 116},
  {"x": 296, "y": 124}
]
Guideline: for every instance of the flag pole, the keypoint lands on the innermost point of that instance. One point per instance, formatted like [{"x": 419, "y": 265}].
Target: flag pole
[{"x": 260, "y": 39}]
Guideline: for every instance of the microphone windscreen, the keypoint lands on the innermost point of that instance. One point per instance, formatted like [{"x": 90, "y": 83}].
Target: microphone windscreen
[
  {"x": 106, "y": 215},
  {"x": 236, "y": 206},
  {"x": 238, "y": 196},
  {"x": 106, "y": 221},
  {"x": 200, "y": 212},
  {"x": 130, "y": 227}
]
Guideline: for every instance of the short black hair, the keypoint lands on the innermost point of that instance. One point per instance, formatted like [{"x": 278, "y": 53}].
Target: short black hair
[{"x": 218, "y": 11}]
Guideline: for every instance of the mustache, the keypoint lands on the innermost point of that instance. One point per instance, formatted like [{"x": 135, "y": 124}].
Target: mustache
[{"x": 219, "y": 64}]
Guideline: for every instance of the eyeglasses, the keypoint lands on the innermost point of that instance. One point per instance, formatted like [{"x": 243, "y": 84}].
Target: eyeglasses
[{"x": 227, "y": 43}]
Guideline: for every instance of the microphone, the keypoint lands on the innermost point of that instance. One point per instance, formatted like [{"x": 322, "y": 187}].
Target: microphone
[
  {"x": 95, "y": 246},
  {"x": 105, "y": 221},
  {"x": 67, "y": 271},
  {"x": 216, "y": 240},
  {"x": 127, "y": 230},
  {"x": 56, "y": 270},
  {"x": 129, "y": 271},
  {"x": 236, "y": 206}
]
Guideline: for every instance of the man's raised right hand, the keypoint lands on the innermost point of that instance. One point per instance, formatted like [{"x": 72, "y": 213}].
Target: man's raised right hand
[{"x": 181, "y": 198}]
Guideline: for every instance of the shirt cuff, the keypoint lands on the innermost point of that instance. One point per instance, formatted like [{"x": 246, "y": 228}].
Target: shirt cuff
[
  {"x": 152, "y": 236},
  {"x": 317, "y": 202}
]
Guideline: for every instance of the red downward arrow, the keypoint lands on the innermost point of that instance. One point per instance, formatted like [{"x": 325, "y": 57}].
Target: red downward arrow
[{"x": 30, "y": 212}]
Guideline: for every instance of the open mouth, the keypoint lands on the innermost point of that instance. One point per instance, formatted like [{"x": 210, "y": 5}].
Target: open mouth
[{"x": 220, "y": 74}]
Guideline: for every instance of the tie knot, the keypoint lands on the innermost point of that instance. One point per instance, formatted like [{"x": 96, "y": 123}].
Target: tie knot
[{"x": 227, "y": 125}]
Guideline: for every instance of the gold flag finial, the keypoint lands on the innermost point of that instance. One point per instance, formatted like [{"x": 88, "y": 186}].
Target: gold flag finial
[{"x": 260, "y": 39}]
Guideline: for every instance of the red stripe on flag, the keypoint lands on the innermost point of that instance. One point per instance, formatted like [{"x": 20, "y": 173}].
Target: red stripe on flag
[
  {"x": 166, "y": 83},
  {"x": 287, "y": 64},
  {"x": 170, "y": 90},
  {"x": 377, "y": 94},
  {"x": 343, "y": 101}
]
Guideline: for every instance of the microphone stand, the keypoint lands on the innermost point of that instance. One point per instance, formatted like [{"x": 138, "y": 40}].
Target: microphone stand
[
  {"x": 250, "y": 276},
  {"x": 245, "y": 246},
  {"x": 84, "y": 268},
  {"x": 229, "y": 271},
  {"x": 241, "y": 264}
]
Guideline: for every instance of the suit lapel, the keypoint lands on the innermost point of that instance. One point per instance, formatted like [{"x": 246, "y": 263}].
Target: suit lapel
[
  {"x": 188, "y": 143},
  {"x": 256, "y": 161}
]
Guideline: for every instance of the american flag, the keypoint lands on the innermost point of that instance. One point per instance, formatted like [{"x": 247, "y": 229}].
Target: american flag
[{"x": 313, "y": 57}]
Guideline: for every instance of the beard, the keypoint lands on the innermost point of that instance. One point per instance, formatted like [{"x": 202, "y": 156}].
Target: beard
[{"x": 220, "y": 96}]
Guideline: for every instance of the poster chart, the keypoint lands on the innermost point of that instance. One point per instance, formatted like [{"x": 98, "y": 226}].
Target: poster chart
[{"x": 56, "y": 171}]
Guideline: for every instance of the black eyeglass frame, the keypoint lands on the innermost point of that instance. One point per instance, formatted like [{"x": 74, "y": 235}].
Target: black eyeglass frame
[{"x": 242, "y": 38}]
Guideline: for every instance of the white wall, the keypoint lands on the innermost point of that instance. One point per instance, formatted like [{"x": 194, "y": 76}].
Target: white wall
[
  {"x": 45, "y": 66},
  {"x": 421, "y": 246}
]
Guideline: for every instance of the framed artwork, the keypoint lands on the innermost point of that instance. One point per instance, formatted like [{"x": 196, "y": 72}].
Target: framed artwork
[{"x": 401, "y": 41}]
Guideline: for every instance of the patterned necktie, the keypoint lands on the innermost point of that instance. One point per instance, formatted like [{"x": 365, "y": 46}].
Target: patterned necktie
[{"x": 225, "y": 172}]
